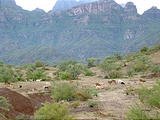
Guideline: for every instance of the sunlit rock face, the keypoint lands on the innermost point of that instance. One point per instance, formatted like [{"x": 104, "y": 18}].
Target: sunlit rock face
[{"x": 62, "y": 5}]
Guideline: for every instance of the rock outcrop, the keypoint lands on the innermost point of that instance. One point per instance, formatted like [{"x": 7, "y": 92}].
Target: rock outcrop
[{"x": 96, "y": 7}]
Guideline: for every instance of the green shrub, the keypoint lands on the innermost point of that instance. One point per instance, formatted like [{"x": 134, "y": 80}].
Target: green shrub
[
  {"x": 89, "y": 73},
  {"x": 65, "y": 76},
  {"x": 63, "y": 91},
  {"x": 1, "y": 64},
  {"x": 150, "y": 96},
  {"x": 93, "y": 62},
  {"x": 130, "y": 72},
  {"x": 139, "y": 66},
  {"x": 113, "y": 75},
  {"x": 132, "y": 56},
  {"x": 144, "y": 49},
  {"x": 36, "y": 74},
  {"x": 38, "y": 64},
  {"x": 2, "y": 117},
  {"x": 92, "y": 104},
  {"x": 156, "y": 69},
  {"x": 93, "y": 92},
  {"x": 136, "y": 113},
  {"x": 19, "y": 75},
  {"x": 53, "y": 111},
  {"x": 4, "y": 105},
  {"x": 83, "y": 95},
  {"x": 110, "y": 64},
  {"x": 7, "y": 75},
  {"x": 64, "y": 65},
  {"x": 75, "y": 104},
  {"x": 142, "y": 64}
]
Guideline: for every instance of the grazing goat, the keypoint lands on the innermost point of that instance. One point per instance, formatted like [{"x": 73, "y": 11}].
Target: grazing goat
[
  {"x": 46, "y": 87},
  {"x": 71, "y": 82},
  {"x": 99, "y": 86},
  {"x": 20, "y": 86},
  {"x": 8, "y": 84},
  {"x": 112, "y": 81},
  {"x": 31, "y": 80},
  {"x": 25, "y": 80},
  {"x": 121, "y": 82},
  {"x": 39, "y": 80}
]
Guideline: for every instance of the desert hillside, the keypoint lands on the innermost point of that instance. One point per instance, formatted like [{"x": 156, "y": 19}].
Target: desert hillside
[{"x": 117, "y": 87}]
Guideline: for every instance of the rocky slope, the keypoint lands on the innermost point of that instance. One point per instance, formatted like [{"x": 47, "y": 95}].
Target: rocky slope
[
  {"x": 94, "y": 29},
  {"x": 62, "y": 5}
]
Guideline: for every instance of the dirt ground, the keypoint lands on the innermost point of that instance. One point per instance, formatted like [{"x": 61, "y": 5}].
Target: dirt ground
[{"x": 113, "y": 100}]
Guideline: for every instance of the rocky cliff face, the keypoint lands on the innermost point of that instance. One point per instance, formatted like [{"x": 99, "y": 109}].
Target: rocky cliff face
[
  {"x": 96, "y": 7},
  {"x": 95, "y": 29},
  {"x": 62, "y": 5},
  {"x": 130, "y": 11},
  {"x": 4, "y": 3}
]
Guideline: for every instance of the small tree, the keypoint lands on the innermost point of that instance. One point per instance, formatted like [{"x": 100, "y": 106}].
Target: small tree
[
  {"x": 64, "y": 65},
  {"x": 75, "y": 70},
  {"x": 53, "y": 111},
  {"x": 92, "y": 62},
  {"x": 36, "y": 74},
  {"x": 70, "y": 68},
  {"x": 7, "y": 75},
  {"x": 144, "y": 49}
]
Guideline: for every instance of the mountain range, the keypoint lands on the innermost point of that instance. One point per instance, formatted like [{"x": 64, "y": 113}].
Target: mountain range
[{"x": 94, "y": 29}]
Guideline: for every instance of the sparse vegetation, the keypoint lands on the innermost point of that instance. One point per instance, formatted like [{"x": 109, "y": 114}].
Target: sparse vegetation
[
  {"x": 38, "y": 64},
  {"x": 69, "y": 70},
  {"x": 92, "y": 91},
  {"x": 92, "y": 104},
  {"x": 113, "y": 74},
  {"x": 130, "y": 72},
  {"x": 35, "y": 74},
  {"x": 93, "y": 62},
  {"x": 141, "y": 64},
  {"x": 144, "y": 49},
  {"x": 78, "y": 94},
  {"x": 111, "y": 67},
  {"x": 4, "y": 105},
  {"x": 89, "y": 73},
  {"x": 149, "y": 98},
  {"x": 137, "y": 113},
  {"x": 75, "y": 104},
  {"x": 155, "y": 68},
  {"x": 7, "y": 75},
  {"x": 54, "y": 111},
  {"x": 1, "y": 64},
  {"x": 83, "y": 95}
]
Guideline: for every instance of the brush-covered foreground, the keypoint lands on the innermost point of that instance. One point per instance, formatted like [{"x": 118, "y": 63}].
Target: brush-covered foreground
[{"x": 72, "y": 90}]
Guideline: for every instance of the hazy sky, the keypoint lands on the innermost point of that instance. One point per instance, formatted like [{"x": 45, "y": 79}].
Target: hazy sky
[{"x": 47, "y": 5}]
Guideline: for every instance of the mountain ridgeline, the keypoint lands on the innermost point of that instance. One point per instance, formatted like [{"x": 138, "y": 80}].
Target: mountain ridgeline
[
  {"x": 62, "y": 5},
  {"x": 95, "y": 29}
]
